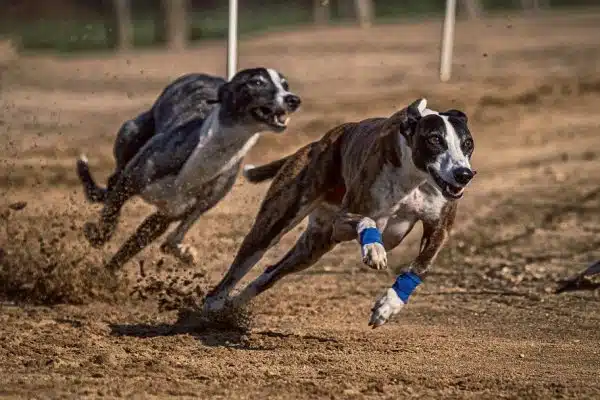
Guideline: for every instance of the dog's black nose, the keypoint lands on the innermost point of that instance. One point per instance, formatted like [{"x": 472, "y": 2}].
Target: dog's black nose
[
  {"x": 463, "y": 175},
  {"x": 292, "y": 101}
]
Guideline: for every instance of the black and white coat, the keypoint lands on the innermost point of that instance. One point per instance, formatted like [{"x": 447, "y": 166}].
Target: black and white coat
[{"x": 183, "y": 155}]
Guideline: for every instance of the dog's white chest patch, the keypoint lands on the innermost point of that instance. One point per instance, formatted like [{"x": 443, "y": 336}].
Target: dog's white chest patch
[
  {"x": 425, "y": 202},
  {"x": 241, "y": 153},
  {"x": 391, "y": 187},
  {"x": 219, "y": 150}
]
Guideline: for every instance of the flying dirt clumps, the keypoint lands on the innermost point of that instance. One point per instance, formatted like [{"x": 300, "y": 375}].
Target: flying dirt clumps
[
  {"x": 185, "y": 292},
  {"x": 44, "y": 261},
  {"x": 172, "y": 289}
]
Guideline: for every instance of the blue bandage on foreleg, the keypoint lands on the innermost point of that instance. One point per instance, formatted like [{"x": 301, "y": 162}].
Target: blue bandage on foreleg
[
  {"x": 369, "y": 236},
  {"x": 405, "y": 284}
]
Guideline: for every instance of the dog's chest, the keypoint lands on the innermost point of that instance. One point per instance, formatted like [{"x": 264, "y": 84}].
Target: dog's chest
[
  {"x": 391, "y": 187},
  {"x": 218, "y": 151},
  {"x": 217, "y": 155},
  {"x": 398, "y": 191},
  {"x": 424, "y": 202}
]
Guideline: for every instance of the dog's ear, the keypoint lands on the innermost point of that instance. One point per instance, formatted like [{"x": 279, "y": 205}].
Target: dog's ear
[
  {"x": 406, "y": 120},
  {"x": 417, "y": 107},
  {"x": 224, "y": 93},
  {"x": 456, "y": 114}
]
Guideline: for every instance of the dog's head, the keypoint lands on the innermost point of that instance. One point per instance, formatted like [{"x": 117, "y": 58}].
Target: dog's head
[
  {"x": 441, "y": 146},
  {"x": 261, "y": 96}
]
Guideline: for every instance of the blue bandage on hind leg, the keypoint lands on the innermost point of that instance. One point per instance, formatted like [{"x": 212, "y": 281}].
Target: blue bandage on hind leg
[
  {"x": 370, "y": 236},
  {"x": 405, "y": 284}
]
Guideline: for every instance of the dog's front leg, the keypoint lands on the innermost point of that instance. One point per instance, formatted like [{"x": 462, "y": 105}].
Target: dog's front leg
[
  {"x": 349, "y": 226},
  {"x": 435, "y": 234},
  {"x": 174, "y": 244}
]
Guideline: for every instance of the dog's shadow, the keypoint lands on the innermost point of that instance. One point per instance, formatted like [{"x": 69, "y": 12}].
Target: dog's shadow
[{"x": 229, "y": 329}]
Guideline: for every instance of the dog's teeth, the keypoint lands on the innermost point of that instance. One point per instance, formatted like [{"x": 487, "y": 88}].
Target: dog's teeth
[
  {"x": 282, "y": 119},
  {"x": 453, "y": 190}
]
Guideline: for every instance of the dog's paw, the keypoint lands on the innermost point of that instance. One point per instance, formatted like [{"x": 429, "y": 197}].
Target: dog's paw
[
  {"x": 214, "y": 304},
  {"x": 93, "y": 234},
  {"x": 374, "y": 255},
  {"x": 385, "y": 307},
  {"x": 183, "y": 252}
]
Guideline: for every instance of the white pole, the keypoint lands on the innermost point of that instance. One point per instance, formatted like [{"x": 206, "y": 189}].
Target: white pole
[
  {"x": 447, "y": 41},
  {"x": 232, "y": 39}
]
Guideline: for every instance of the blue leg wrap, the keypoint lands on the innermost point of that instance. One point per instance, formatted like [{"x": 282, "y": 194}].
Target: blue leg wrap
[
  {"x": 370, "y": 236},
  {"x": 405, "y": 284}
]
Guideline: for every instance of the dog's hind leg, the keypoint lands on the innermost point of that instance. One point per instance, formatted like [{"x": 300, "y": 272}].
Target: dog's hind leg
[
  {"x": 153, "y": 226},
  {"x": 100, "y": 233},
  {"x": 266, "y": 232},
  {"x": 289, "y": 200},
  {"x": 314, "y": 242},
  {"x": 131, "y": 137}
]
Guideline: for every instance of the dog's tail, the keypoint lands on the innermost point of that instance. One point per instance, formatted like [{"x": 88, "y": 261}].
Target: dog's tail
[
  {"x": 256, "y": 174},
  {"x": 93, "y": 192}
]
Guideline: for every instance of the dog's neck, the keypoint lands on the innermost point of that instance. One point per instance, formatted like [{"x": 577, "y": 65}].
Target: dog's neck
[
  {"x": 221, "y": 146},
  {"x": 232, "y": 118},
  {"x": 228, "y": 129},
  {"x": 398, "y": 153}
]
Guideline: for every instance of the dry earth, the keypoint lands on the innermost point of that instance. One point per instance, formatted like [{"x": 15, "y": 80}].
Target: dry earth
[{"x": 485, "y": 325}]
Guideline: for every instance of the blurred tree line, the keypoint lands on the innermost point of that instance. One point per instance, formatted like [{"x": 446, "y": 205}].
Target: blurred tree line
[{"x": 71, "y": 25}]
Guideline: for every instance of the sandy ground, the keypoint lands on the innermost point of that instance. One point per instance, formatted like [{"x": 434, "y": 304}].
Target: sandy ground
[{"x": 485, "y": 324}]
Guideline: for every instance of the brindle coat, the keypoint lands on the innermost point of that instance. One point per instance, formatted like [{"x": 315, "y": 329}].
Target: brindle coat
[{"x": 358, "y": 173}]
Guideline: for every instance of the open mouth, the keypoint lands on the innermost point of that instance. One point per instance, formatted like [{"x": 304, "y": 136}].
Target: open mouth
[
  {"x": 448, "y": 190},
  {"x": 276, "y": 119}
]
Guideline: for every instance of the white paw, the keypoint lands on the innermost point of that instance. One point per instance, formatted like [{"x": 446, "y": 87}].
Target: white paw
[
  {"x": 375, "y": 256},
  {"x": 247, "y": 168},
  {"x": 385, "y": 307},
  {"x": 184, "y": 252},
  {"x": 187, "y": 253}
]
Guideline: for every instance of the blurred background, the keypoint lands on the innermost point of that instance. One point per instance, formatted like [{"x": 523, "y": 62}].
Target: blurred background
[{"x": 86, "y": 25}]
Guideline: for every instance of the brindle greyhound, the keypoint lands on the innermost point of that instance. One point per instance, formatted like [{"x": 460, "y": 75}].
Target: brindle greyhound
[{"x": 369, "y": 181}]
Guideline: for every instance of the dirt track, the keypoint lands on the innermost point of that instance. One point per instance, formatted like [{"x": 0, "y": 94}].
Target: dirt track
[{"x": 485, "y": 325}]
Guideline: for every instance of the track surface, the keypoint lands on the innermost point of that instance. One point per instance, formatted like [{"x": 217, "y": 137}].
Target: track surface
[{"x": 485, "y": 325}]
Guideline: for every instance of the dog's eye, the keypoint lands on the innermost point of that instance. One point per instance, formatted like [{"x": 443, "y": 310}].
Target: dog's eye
[
  {"x": 467, "y": 146},
  {"x": 285, "y": 85},
  {"x": 256, "y": 82},
  {"x": 435, "y": 141}
]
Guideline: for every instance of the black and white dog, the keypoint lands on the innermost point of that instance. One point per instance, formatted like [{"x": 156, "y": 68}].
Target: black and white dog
[{"x": 183, "y": 155}]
